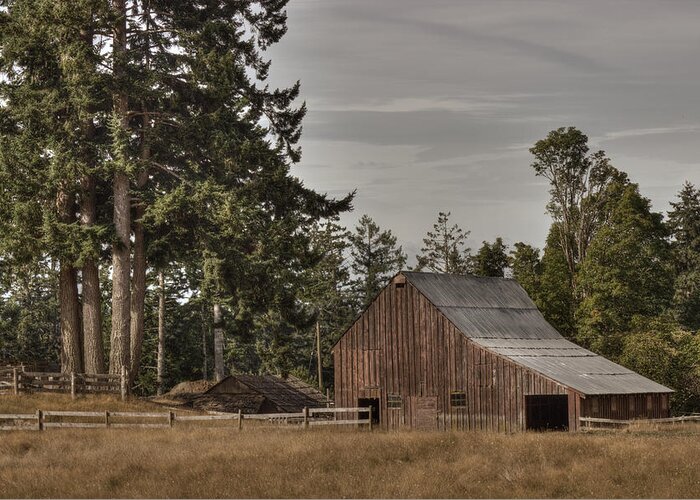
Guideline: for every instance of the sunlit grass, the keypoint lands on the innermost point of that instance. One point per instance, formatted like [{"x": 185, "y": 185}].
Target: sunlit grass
[{"x": 194, "y": 461}]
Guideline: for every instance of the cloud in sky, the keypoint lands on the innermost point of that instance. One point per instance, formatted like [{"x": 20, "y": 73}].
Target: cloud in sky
[{"x": 428, "y": 106}]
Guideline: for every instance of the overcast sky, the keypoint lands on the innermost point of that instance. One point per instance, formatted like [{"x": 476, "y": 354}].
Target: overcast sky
[{"x": 428, "y": 106}]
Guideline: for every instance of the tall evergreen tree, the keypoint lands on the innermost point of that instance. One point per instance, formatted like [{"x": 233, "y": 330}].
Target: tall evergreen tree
[
  {"x": 684, "y": 225},
  {"x": 375, "y": 257},
  {"x": 527, "y": 268},
  {"x": 444, "y": 249},
  {"x": 491, "y": 260}
]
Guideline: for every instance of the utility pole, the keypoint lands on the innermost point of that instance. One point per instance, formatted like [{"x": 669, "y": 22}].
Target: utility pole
[{"x": 318, "y": 356}]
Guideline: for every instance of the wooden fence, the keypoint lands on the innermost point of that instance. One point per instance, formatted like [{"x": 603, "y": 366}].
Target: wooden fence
[
  {"x": 591, "y": 423},
  {"x": 16, "y": 381},
  {"x": 309, "y": 417}
]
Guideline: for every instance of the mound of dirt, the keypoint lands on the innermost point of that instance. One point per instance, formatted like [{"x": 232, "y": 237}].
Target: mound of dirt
[{"x": 190, "y": 387}]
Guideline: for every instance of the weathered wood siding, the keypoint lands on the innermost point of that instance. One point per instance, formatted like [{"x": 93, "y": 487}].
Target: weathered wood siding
[
  {"x": 402, "y": 345},
  {"x": 626, "y": 406}
]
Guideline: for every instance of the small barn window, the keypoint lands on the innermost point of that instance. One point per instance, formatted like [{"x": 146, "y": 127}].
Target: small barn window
[
  {"x": 394, "y": 401},
  {"x": 458, "y": 400}
]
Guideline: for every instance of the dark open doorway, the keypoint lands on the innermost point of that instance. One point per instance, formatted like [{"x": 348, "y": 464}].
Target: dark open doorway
[
  {"x": 547, "y": 412},
  {"x": 374, "y": 403}
]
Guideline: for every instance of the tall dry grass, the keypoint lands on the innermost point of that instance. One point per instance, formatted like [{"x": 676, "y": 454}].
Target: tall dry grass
[
  {"x": 29, "y": 403},
  {"x": 201, "y": 462}
]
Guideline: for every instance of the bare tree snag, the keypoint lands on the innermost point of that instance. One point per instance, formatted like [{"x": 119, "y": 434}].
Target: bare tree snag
[
  {"x": 219, "y": 369},
  {"x": 161, "y": 332}
]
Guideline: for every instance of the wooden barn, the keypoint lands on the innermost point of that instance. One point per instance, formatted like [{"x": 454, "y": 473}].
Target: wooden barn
[{"x": 437, "y": 351}]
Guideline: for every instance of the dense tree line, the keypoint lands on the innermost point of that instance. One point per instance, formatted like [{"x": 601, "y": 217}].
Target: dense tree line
[{"x": 149, "y": 221}]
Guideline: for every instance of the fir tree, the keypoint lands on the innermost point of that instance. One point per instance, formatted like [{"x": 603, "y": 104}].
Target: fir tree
[
  {"x": 684, "y": 225},
  {"x": 375, "y": 258},
  {"x": 527, "y": 268},
  {"x": 491, "y": 260},
  {"x": 444, "y": 248}
]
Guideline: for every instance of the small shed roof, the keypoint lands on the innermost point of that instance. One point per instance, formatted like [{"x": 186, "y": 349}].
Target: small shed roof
[
  {"x": 497, "y": 314},
  {"x": 288, "y": 394}
]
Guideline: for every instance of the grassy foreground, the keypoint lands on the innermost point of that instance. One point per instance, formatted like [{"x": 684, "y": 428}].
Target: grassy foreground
[{"x": 220, "y": 462}]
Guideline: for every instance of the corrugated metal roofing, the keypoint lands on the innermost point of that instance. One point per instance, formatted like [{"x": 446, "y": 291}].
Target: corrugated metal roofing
[{"x": 497, "y": 314}]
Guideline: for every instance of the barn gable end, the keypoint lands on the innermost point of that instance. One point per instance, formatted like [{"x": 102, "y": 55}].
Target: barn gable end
[{"x": 439, "y": 351}]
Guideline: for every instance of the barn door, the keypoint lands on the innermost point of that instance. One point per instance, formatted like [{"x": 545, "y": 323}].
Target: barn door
[
  {"x": 425, "y": 413},
  {"x": 547, "y": 412}
]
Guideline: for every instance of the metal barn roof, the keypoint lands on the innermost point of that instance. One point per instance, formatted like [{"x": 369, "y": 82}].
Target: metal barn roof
[{"x": 497, "y": 314}]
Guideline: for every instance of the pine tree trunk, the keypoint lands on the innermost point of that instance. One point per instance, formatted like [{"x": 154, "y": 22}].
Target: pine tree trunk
[
  {"x": 161, "y": 332},
  {"x": 69, "y": 304},
  {"x": 219, "y": 369},
  {"x": 205, "y": 354},
  {"x": 138, "y": 284},
  {"x": 93, "y": 348},
  {"x": 121, "y": 253}
]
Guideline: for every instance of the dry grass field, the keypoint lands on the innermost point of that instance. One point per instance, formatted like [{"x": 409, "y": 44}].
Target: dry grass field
[{"x": 258, "y": 462}]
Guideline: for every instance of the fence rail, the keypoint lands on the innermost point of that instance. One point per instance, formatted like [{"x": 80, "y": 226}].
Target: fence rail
[
  {"x": 42, "y": 420},
  {"x": 17, "y": 381},
  {"x": 589, "y": 423}
]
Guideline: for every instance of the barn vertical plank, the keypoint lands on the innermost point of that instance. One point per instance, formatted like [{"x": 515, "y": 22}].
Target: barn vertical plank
[
  {"x": 521, "y": 398},
  {"x": 389, "y": 335},
  {"x": 508, "y": 397},
  {"x": 471, "y": 395},
  {"x": 405, "y": 352},
  {"x": 384, "y": 335},
  {"x": 480, "y": 388},
  {"x": 430, "y": 343},
  {"x": 418, "y": 346}
]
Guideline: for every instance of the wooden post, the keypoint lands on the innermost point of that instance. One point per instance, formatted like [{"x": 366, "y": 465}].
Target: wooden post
[
  {"x": 369, "y": 412},
  {"x": 328, "y": 397},
  {"x": 40, "y": 420},
  {"x": 306, "y": 417},
  {"x": 72, "y": 385},
  {"x": 171, "y": 419},
  {"x": 240, "y": 420},
  {"x": 106, "y": 418},
  {"x": 15, "y": 381},
  {"x": 123, "y": 383}
]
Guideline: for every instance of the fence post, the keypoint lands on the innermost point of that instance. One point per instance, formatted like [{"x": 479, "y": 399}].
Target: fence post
[
  {"x": 72, "y": 385},
  {"x": 369, "y": 412},
  {"x": 240, "y": 419},
  {"x": 40, "y": 419},
  {"x": 15, "y": 381},
  {"x": 306, "y": 417},
  {"x": 171, "y": 419},
  {"x": 123, "y": 383},
  {"x": 106, "y": 418}
]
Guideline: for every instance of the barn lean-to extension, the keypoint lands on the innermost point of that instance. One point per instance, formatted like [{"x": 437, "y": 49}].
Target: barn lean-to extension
[{"x": 437, "y": 351}]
